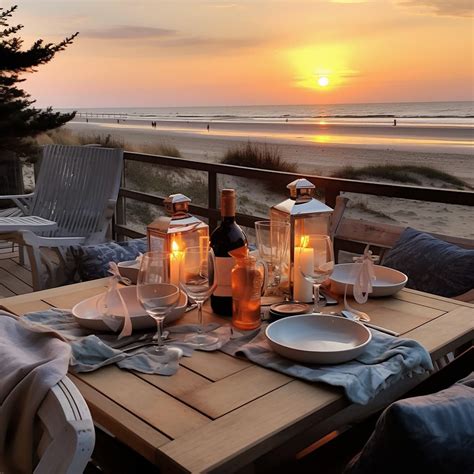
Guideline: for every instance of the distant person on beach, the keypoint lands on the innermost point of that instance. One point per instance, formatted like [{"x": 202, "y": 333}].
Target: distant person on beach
[
  {"x": 394, "y": 122},
  {"x": 207, "y": 127},
  {"x": 87, "y": 120},
  {"x": 118, "y": 121}
]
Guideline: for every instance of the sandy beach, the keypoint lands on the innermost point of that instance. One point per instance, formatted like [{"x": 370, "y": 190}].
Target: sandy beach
[{"x": 323, "y": 149}]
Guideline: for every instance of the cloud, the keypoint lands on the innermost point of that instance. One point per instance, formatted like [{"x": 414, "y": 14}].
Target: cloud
[
  {"x": 207, "y": 43},
  {"x": 171, "y": 39},
  {"x": 128, "y": 32},
  {"x": 459, "y": 8}
]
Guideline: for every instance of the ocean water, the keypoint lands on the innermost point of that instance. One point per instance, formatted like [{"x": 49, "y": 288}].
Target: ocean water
[{"x": 416, "y": 113}]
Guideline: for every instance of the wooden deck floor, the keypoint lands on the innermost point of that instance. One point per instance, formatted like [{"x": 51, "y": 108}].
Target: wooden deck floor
[{"x": 15, "y": 279}]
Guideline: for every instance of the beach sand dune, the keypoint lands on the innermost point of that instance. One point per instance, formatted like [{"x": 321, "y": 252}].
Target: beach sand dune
[{"x": 324, "y": 159}]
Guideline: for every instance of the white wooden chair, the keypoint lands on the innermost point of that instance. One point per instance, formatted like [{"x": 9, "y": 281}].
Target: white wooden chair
[
  {"x": 73, "y": 203},
  {"x": 68, "y": 435}
]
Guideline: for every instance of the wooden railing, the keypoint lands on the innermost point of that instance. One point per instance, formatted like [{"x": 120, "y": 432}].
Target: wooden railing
[{"x": 329, "y": 187}]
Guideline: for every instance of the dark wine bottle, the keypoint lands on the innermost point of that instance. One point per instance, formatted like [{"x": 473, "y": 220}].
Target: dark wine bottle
[{"x": 227, "y": 237}]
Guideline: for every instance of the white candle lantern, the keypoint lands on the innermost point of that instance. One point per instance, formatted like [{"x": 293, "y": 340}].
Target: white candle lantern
[
  {"x": 177, "y": 231},
  {"x": 306, "y": 215}
]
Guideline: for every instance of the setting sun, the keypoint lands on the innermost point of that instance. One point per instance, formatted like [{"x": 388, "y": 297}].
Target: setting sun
[{"x": 323, "y": 81}]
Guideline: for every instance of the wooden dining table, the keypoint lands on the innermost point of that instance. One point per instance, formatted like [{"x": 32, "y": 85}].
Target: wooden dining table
[{"x": 220, "y": 413}]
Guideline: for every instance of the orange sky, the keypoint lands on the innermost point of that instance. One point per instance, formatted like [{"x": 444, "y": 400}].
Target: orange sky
[{"x": 218, "y": 52}]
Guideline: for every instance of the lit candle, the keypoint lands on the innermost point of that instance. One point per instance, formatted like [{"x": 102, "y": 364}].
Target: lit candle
[
  {"x": 304, "y": 259},
  {"x": 176, "y": 261}
]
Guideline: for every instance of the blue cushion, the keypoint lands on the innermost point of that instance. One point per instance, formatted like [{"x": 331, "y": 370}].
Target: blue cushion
[
  {"x": 432, "y": 265},
  {"x": 92, "y": 261},
  {"x": 433, "y": 434}
]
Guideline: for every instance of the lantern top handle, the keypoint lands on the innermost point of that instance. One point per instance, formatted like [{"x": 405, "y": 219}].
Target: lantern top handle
[
  {"x": 301, "y": 187},
  {"x": 176, "y": 203}
]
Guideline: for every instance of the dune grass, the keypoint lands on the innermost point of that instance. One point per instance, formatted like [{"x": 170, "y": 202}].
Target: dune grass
[
  {"x": 258, "y": 156},
  {"x": 410, "y": 174},
  {"x": 63, "y": 136}
]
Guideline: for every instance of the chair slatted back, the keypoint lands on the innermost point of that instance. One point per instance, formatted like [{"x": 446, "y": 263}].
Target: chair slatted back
[{"x": 74, "y": 187}]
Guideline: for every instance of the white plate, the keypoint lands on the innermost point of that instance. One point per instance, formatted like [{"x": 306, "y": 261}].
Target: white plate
[
  {"x": 87, "y": 315},
  {"x": 388, "y": 281},
  {"x": 318, "y": 339}
]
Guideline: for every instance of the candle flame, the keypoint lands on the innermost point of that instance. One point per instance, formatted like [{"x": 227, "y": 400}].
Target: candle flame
[
  {"x": 304, "y": 241},
  {"x": 174, "y": 247}
]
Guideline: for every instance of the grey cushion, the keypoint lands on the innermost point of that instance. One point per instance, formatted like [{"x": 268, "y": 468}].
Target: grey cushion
[
  {"x": 432, "y": 434},
  {"x": 92, "y": 261},
  {"x": 432, "y": 265}
]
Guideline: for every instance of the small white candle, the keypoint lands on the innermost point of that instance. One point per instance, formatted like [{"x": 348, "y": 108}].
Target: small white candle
[
  {"x": 303, "y": 289},
  {"x": 175, "y": 263}
]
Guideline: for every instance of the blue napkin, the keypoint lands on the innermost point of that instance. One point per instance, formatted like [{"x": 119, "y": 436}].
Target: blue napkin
[
  {"x": 384, "y": 362},
  {"x": 91, "y": 351}
]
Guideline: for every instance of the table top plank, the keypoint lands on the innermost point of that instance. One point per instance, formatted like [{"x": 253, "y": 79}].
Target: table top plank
[
  {"x": 144, "y": 400},
  {"x": 183, "y": 382},
  {"x": 403, "y": 319},
  {"x": 236, "y": 390},
  {"x": 69, "y": 300},
  {"x": 127, "y": 427},
  {"x": 59, "y": 291},
  {"x": 432, "y": 301},
  {"x": 239, "y": 436},
  {"x": 446, "y": 333},
  {"x": 214, "y": 365},
  {"x": 27, "y": 307}
]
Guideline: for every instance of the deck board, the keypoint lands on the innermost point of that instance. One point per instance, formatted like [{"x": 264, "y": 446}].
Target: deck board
[{"x": 15, "y": 279}]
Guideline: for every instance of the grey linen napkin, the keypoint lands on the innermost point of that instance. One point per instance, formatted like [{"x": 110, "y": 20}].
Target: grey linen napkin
[
  {"x": 92, "y": 351},
  {"x": 385, "y": 361},
  {"x": 32, "y": 361}
]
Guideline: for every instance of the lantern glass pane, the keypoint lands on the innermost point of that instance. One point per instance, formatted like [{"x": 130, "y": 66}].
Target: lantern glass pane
[{"x": 311, "y": 225}]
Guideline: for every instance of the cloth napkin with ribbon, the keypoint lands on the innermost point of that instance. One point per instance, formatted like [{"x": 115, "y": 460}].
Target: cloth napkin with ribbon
[
  {"x": 385, "y": 361},
  {"x": 91, "y": 351}
]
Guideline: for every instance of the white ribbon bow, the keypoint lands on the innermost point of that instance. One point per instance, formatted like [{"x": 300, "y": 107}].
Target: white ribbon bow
[
  {"x": 105, "y": 300},
  {"x": 365, "y": 275}
]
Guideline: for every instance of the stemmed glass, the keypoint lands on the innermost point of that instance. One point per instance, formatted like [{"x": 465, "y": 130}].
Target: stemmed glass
[
  {"x": 316, "y": 262},
  {"x": 158, "y": 297},
  {"x": 197, "y": 277},
  {"x": 272, "y": 242}
]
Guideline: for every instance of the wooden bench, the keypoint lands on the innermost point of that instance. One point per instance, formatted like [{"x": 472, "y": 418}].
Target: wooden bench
[{"x": 353, "y": 235}]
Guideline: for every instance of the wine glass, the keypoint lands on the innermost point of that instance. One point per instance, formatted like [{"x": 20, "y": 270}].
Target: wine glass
[
  {"x": 272, "y": 242},
  {"x": 316, "y": 262},
  {"x": 197, "y": 277},
  {"x": 158, "y": 297}
]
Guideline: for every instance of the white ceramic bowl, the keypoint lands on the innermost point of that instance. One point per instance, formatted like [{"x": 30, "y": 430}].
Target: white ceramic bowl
[
  {"x": 86, "y": 312},
  {"x": 318, "y": 339},
  {"x": 388, "y": 281},
  {"x": 129, "y": 269}
]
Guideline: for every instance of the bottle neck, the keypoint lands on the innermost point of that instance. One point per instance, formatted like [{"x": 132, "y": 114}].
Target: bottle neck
[{"x": 228, "y": 219}]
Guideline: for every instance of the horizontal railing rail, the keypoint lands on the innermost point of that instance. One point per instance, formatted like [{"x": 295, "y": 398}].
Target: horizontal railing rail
[{"x": 329, "y": 187}]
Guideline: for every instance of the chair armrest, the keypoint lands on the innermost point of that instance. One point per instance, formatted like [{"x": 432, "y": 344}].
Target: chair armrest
[
  {"x": 22, "y": 201},
  {"x": 39, "y": 241},
  {"x": 17, "y": 196}
]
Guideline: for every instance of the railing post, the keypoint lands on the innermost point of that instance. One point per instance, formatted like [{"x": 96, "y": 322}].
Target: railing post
[
  {"x": 330, "y": 196},
  {"x": 212, "y": 197},
  {"x": 120, "y": 208}
]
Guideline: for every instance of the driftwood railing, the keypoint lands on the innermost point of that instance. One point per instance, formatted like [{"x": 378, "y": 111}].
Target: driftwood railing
[{"x": 330, "y": 188}]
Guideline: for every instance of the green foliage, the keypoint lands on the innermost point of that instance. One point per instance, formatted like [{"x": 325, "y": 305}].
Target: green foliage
[
  {"x": 19, "y": 122},
  {"x": 64, "y": 136},
  {"x": 258, "y": 156},
  {"x": 402, "y": 174}
]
